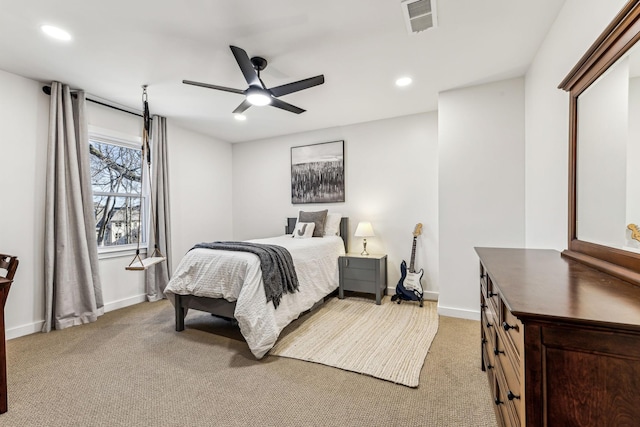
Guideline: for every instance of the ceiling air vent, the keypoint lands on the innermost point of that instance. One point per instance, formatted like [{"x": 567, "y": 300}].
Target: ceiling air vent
[{"x": 419, "y": 15}]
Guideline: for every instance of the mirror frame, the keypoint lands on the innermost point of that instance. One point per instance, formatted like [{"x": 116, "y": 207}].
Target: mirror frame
[{"x": 613, "y": 43}]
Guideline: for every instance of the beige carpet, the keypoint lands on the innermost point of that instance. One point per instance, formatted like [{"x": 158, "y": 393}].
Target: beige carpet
[
  {"x": 130, "y": 368},
  {"x": 388, "y": 341}
]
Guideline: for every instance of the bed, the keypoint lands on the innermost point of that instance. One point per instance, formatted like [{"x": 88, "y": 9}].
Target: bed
[{"x": 229, "y": 284}]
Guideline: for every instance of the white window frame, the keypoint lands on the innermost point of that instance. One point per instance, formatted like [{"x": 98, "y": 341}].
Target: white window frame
[{"x": 108, "y": 136}]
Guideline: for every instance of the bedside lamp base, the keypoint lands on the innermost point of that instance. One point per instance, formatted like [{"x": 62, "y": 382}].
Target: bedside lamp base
[{"x": 364, "y": 247}]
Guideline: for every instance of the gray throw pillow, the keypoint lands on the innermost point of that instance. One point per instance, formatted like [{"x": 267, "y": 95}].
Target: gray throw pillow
[{"x": 318, "y": 218}]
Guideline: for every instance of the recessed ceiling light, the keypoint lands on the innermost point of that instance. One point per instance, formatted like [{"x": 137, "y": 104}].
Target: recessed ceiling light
[
  {"x": 55, "y": 32},
  {"x": 240, "y": 117},
  {"x": 403, "y": 81}
]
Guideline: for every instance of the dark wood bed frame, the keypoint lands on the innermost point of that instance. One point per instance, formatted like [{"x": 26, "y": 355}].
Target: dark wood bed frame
[{"x": 221, "y": 307}]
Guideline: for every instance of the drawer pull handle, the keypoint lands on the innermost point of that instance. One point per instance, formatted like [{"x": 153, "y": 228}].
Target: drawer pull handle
[
  {"x": 489, "y": 325},
  {"x": 512, "y": 396},
  {"x": 346, "y": 262},
  {"x": 507, "y": 326},
  {"x": 498, "y": 401},
  {"x": 483, "y": 306},
  {"x": 489, "y": 366},
  {"x": 484, "y": 340},
  {"x": 492, "y": 294},
  {"x": 496, "y": 351}
]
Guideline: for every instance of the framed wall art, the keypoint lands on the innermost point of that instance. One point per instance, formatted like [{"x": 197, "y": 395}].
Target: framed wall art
[{"x": 317, "y": 173}]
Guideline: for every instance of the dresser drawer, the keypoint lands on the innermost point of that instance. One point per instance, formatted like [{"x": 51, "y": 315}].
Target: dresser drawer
[
  {"x": 359, "y": 285},
  {"x": 492, "y": 316},
  {"x": 505, "y": 402},
  {"x": 490, "y": 367},
  {"x": 511, "y": 374},
  {"x": 488, "y": 333},
  {"x": 349, "y": 273},
  {"x": 493, "y": 300},
  {"x": 488, "y": 326},
  {"x": 502, "y": 352},
  {"x": 483, "y": 280},
  {"x": 512, "y": 327},
  {"x": 485, "y": 283},
  {"x": 359, "y": 263}
]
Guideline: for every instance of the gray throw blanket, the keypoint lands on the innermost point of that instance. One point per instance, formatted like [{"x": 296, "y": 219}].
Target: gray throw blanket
[{"x": 278, "y": 273}]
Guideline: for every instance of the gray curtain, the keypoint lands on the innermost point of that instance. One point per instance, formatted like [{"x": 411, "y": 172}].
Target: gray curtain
[
  {"x": 157, "y": 276},
  {"x": 73, "y": 294}
]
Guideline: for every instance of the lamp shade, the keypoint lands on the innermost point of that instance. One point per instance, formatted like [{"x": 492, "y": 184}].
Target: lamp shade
[{"x": 364, "y": 229}]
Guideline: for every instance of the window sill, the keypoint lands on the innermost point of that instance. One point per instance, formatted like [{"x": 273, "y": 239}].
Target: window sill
[{"x": 120, "y": 252}]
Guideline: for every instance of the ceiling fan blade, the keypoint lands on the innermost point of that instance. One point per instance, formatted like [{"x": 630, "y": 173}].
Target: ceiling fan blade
[
  {"x": 207, "y": 85},
  {"x": 242, "y": 107},
  {"x": 275, "y": 102},
  {"x": 250, "y": 74},
  {"x": 296, "y": 86}
]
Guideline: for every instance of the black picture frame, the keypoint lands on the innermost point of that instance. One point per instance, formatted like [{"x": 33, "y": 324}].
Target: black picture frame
[{"x": 317, "y": 173}]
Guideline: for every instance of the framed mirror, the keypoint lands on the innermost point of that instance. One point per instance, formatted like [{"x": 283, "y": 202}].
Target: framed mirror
[{"x": 604, "y": 156}]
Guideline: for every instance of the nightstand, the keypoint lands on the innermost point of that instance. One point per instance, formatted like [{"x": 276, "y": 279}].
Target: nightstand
[{"x": 363, "y": 273}]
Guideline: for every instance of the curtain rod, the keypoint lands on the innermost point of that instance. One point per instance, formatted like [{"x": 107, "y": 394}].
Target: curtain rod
[{"x": 47, "y": 90}]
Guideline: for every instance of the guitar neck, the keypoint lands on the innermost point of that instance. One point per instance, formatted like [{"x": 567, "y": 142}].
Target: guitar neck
[{"x": 413, "y": 256}]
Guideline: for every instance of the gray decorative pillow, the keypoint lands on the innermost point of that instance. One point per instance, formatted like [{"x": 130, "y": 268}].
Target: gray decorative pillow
[{"x": 318, "y": 218}]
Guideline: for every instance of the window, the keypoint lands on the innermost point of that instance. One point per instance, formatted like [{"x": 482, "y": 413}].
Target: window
[{"x": 118, "y": 197}]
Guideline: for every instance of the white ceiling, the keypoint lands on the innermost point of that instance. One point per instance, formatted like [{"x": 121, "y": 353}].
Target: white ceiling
[{"x": 361, "y": 47}]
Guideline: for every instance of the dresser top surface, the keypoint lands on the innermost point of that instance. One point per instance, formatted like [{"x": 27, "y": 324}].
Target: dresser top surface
[{"x": 540, "y": 283}]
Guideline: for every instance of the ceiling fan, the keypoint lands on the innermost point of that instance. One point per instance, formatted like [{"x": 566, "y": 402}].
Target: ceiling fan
[{"x": 257, "y": 93}]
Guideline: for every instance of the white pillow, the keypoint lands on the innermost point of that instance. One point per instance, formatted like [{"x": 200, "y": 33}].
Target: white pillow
[
  {"x": 303, "y": 230},
  {"x": 332, "y": 224}
]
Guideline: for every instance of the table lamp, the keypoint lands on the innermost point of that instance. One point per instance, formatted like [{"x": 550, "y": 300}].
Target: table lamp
[{"x": 365, "y": 230}]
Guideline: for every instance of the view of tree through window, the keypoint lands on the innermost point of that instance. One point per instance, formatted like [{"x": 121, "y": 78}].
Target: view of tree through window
[{"x": 116, "y": 180}]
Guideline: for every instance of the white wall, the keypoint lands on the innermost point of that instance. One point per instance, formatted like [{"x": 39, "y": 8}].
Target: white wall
[
  {"x": 391, "y": 180},
  {"x": 24, "y": 118},
  {"x": 481, "y": 182},
  {"x": 200, "y": 170},
  {"x": 578, "y": 25}
]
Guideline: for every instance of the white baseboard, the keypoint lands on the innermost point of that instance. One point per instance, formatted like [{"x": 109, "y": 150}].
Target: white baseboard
[
  {"x": 126, "y": 302},
  {"x": 21, "y": 331},
  {"x": 445, "y": 311},
  {"x": 35, "y": 327},
  {"x": 458, "y": 312}
]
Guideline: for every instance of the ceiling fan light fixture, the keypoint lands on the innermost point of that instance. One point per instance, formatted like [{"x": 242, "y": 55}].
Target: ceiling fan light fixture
[
  {"x": 257, "y": 93},
  {"x": 257, "y": 97}
]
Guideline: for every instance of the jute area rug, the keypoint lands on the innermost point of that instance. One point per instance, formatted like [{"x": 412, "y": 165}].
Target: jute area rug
[{"x": 388, "y": 341}]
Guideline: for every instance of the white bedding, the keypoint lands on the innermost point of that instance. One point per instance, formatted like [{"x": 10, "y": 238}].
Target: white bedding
[{"x": 236, "y": 276}]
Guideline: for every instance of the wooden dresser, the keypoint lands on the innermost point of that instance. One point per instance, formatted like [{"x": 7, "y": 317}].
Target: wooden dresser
[
  {"x": 5, "y": 285},
  {"x": 560, "y": 340}
]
